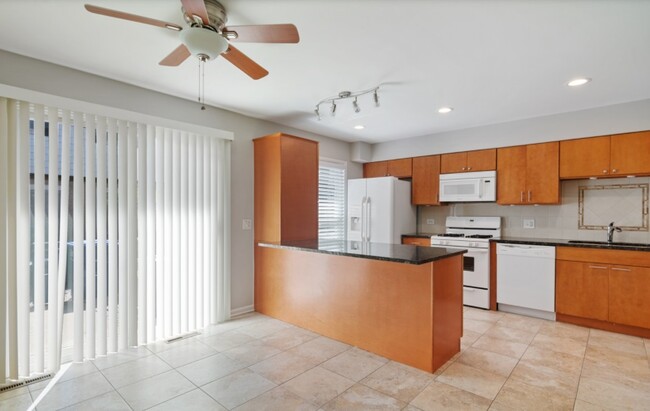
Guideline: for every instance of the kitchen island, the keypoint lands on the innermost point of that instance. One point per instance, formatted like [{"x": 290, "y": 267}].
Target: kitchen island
[{"x": 403, "y": 302}]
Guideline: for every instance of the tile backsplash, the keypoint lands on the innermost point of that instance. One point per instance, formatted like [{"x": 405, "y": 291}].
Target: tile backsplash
[{"x": 551, "y": 221}]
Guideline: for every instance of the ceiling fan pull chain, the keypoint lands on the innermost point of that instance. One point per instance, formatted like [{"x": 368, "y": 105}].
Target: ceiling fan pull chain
[{"x": 202, "y": 60}]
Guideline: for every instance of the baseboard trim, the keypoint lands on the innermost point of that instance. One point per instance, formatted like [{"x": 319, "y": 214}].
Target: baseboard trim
[
  {"x": 605, "y": 325},
  {"x": 242, "y": 310}
]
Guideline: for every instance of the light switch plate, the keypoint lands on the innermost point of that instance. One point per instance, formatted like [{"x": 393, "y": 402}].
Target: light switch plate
[
  {"x": 246, "y": 224},
  {"x": 529, "y": 223},
  {"x": 431, "y": 221}
]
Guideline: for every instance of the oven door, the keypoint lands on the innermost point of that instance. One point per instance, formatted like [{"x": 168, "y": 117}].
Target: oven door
[{"x": 476, "y": 266}]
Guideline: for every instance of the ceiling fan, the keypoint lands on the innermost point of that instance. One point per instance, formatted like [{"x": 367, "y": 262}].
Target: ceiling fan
[{"x": 206, "y": 35}]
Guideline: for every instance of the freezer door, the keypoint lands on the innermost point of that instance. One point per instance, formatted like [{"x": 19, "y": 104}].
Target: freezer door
[{"x": 356, "y": 205}]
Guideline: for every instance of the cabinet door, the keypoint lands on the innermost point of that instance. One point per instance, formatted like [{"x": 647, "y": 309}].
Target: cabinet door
[
  {"x": 400, "y": 168},
  {"x": 426, "y": 180},
  {"x": 542, "y": 173},
  {"x": 585, "y": 157},
  {"x": 630, "y": 153},
  {"x": 511, "y": 175},
  {"x": 629, "y": 295},
  {"x": 426, "y": 242},
  {"x": 375, "y": 169},
  {"x": 482, "y": 160},
  {"x": 453, "y": 163},
  {"x": 581, "y": 289}
]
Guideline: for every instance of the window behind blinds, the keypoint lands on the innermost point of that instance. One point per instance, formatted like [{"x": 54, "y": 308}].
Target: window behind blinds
[{"x": 331, "y": 199}]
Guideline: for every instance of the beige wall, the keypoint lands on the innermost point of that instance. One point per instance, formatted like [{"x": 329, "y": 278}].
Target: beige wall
[{"x": 27, "y": 73}]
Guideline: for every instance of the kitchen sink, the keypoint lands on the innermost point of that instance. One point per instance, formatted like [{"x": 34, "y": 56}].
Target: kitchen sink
[{"x": 606, "y": 243}]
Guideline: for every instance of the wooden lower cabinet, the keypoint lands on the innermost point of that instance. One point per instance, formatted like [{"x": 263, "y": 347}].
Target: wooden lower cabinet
[
  {"x": 581, "y": 289},
  {"x": 426, "y": 242},
  {"x": 592, "y": 290},
  {"x": 629, "y": 295}
]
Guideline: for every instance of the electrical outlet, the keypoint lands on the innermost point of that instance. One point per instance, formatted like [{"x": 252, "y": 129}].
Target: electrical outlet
[
  {"x": 431, "y": 221},
  {"x": 246, "y": 224},
  {"x": 529, "y": 223}
]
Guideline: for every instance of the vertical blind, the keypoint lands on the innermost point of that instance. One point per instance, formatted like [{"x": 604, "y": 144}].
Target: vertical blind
[
  {"x": 331, "y": 199},
  {"x": 112, "y": 234}
]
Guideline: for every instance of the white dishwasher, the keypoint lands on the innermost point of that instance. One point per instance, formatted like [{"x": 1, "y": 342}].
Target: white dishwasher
[{"x": 526, "y": 280}]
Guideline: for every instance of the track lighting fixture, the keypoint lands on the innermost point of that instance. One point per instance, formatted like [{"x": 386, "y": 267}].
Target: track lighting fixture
[{"x": 346, "y": 95}]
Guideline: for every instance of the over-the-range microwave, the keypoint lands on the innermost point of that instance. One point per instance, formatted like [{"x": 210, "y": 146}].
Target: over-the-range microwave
[{"x": 468, "y": 187}]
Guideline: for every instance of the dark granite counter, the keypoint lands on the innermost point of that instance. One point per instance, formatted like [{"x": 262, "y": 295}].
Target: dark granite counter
[
  {"x": 397, "y": 253},
  {"x": 573, "y": 243},
  {"x": 419, "y": 235}
]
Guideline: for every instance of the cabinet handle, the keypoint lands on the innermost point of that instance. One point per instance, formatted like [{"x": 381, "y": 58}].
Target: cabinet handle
[
  {"x": 464, "y": 168},
  {"x": 621, "y": 269},
  {"x": 530, "y": 196},
  {"x": 605, "y": 171},
  {"x": 614, "y": 171},
  {"x": 598, "y": 267},
  {"x": 521, "y": 197},
  {"x": 469, "y": 168}
]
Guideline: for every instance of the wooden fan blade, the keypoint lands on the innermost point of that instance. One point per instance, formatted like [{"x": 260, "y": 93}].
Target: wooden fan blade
[
  {"x": 263, "y": 33},
  {"x": 244, "y": 63},
  {"x": 176, "y": 57},
  {"x": 132, "y": 17},
  {"x": 196, "y": 8}
]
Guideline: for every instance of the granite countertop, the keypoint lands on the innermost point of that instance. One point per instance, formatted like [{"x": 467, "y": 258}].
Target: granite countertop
[
  {"x": 573, "y": 243},
  {"x": 419, "y": 235},
  {"x": 398, "y": 253}
]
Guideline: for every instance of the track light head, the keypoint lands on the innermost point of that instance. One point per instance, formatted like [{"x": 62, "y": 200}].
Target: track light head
[
  {"x": 317, "y": 111},
  {"x": 376, "y": 98},
  {"x": 333, "y": 109},
  {"x": 356, "y": 106}
]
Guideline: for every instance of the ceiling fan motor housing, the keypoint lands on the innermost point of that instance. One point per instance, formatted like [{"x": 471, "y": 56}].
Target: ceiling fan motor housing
[{"x": 216, "y": 15}]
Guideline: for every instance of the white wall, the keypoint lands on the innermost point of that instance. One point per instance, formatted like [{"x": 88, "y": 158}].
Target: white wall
[
  {"x": 619, "y": 118},
  {"x": 27, "y": 73}
]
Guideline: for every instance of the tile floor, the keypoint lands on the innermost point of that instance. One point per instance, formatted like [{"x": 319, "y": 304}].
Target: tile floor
[{"x": 507, "y": 362}]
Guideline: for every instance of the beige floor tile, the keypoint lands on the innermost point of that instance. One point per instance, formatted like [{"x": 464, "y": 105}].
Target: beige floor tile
[
  {"x": 361, "y": 398},
  {"x": 560, "y": 344},
  {"x": 635, "y": 375},
  {"x": 237, "y": 388},
  {"x": 398, "y": 380},
  {"x": 187, "y": 353},
  {"x": 440, "y": 397},
  {"x": 193, "y": 400},
  {"x": 488, "y": 361},
  {"x": 558, "y": 329},
  {"x": 288, "y": 338},
  {"x": 14, "y": 393},
  {"x": 264, "y": 328},
  {"x": 516, "y": 395},
  {"x": 209, "y": 369},
  {"x": 278, "y": 399},
  {"x": 500, "y": 346},
  {"x": 556, "y": 373},
  {"x": 121, "y": 357},
  {"x": 552, "y": 360},
  {"x": 411, "y": 408},
  {"x": 227, "y": 340},
  {"x": 16, "y": 402},
  {"x": 510, "y": 334},
  {"x": 109, "y": 401},
  {"x": 483, "y": 315},
  {"x": 155, "y": 390},
  {"x": 73, "y": 391},
  {"x": 251, "y": 353},
  {"x": 617, "y": 342},
  {"x": 354, "y": 364},
  {"x": 319, "y": 349},
  {"x": 283, "y": 367},
  {"x": 612, "y": 395},
  {"x": 134, "y": 371},
  {"x": 581, "y": 405},
  {"x": 477, "y": 326},
  {"x": 521, "y": 322},
  {"x": 160, "y": 346},
  {"x": 470, "y": 337},
  {"x": 479, "y": 382},
  {"x": 318, "y": 385}
]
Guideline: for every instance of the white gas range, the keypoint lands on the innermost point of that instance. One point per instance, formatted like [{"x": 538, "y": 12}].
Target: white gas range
[{"x": 472, "y": 234}]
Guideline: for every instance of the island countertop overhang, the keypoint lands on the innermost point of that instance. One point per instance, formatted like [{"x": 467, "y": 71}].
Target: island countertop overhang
[{"x": 397, "y": 253}]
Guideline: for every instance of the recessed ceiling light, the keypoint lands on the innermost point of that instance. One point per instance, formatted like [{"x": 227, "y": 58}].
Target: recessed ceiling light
[
  {"x": 578, "y": 82},
  {"x": 445, "y": 110},
  {"x": 359, "y": 127}
]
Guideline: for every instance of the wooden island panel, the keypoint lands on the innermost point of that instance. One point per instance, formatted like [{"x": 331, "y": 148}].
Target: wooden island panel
[{"x": 406, "y": 312}]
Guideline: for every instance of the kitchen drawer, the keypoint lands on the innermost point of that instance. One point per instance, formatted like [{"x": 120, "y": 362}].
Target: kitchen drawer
[{"x": 476, "y": 297}]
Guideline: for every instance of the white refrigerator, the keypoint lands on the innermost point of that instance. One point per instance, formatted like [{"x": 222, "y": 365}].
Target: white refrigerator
[{"x": 380, "y": 210}]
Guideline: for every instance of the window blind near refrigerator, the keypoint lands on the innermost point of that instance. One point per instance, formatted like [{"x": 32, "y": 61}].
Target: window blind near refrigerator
[
  {"x": 130, "y": 224},
  {"x": 331, "y": 199}
]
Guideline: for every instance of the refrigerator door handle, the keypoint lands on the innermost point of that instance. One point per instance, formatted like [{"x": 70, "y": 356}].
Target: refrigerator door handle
[
  {"x": 368, "y": 219},
  {"x": 363, "y": 219}
]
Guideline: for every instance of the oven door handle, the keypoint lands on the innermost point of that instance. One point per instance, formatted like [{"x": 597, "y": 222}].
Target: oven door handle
[{"x": 469, "y": 249}]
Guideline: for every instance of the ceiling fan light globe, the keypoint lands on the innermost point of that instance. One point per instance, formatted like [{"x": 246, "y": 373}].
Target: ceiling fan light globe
[{"x": 200, "y": 41}]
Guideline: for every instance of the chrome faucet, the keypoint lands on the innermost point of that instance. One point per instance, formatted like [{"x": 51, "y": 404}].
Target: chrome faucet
[{"x": 610, "y": 231}]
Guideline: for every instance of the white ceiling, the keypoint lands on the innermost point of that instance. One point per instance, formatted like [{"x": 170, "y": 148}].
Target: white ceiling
[{"x": 493, "y": 61}]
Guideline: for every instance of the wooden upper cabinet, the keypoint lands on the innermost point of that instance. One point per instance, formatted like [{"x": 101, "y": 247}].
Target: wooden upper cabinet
[
  {"x": 630, "y": 154},
  {"x": 528, "y": 174},
  {"x": 585, "y": 157},
  {"x": 629, "y": 288},
  {"x": 608, "y": 156},
  {"x": 401, "y": 168},
  {"x": 468, "y": 161},
  {"x": 425, "y": 184},
  {"x": 582, "y": 289},
  {"x": 286, "y": 188}
]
